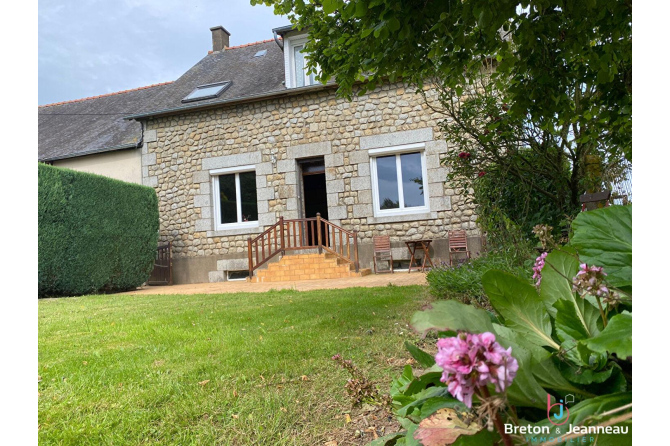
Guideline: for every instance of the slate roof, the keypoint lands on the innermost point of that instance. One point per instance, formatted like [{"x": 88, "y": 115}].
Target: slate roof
[
  {"x": 249, "y": 75},
  {"x": 95, "y": 125}
]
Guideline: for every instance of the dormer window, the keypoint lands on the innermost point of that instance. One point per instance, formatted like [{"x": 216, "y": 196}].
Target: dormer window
[
  {"x": 209, "y": 91},
  {"x": 299, "y": 67},
  {"x": 297, "y": 73}
]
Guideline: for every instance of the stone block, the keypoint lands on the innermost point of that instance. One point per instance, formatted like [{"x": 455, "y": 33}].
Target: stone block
[
  {"x": 291, "y": 177},
  {"x": 263, "y": 169},
  {"x": 364, "y": 169},
  {"x": 217, "y": 276},
  {"x": 149, "y": 159},
  {"x": 365, "y": 197},
  {"x": 333, "y": 199},
  {"x": 292, "y": 204},
  {"x": 286, "y": 191},
  {"x": 335, "y": 186},
  {"x": 150, "y": 181},
  {"x": 361, "y": 183},
  {"x": 286, "y": 165},
  {"x": 359, "y": 157},
  {"x": 441, "y": 203},
  {"x": 150, "y": 135},
  {"x": 240, "y": 159},
  {"x": 396, "y": 138},
  {"x": 308, "y": 150},
  {"x": 334, "y": 160},
  {"x": 203, "y": 224},
  {"x": 201, "y": 176},
  {"x": 362, "y": 210},
  {"x": 337, "y": 212},
  {"x": 205, "y": 188},
  {"x": 267, "y": 219},
  {"x": 232, "y": 264},
  {"x": 436, "y": 147},
  {"x": 435, "y": 189},
  {"x": 200, "y": 201},
  {"x": 437, "y": 175},
  {"x": 266, "y": 193}
]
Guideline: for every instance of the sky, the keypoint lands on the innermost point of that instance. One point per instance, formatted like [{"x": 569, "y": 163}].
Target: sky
[{"x": 92, "y": 47}]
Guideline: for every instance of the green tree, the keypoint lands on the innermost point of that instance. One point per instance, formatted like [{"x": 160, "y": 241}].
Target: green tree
[{"x": 534, "y": 90}]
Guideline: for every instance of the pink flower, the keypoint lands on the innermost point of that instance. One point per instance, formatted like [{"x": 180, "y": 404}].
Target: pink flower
[
  {"x": 464, "y": 155},
  {"x": 470, "y": 361},
  {"x": 537, "y": 269},
  {"x": 590, "y": 280}
]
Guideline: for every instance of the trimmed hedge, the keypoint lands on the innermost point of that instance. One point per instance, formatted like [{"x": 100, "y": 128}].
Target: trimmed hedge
[{"x": 96, "y": 234}]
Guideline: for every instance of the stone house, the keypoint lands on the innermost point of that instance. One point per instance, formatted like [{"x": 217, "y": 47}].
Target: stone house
[{"x": 246, "y": 138}]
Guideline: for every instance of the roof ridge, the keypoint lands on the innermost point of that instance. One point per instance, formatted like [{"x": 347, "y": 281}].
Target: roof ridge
[
  {"x": 104, "y": 95},
  {"x": 246, "y": 44}
]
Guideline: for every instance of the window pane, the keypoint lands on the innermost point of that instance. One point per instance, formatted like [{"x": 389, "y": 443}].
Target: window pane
[
  {"x": 412, "y": 179},
  {"x": 248, "y": 195},
  {"x": 299, "y": 66},
  {"x": 228, "y": 199},
  {"x": 387, "y": 180}
]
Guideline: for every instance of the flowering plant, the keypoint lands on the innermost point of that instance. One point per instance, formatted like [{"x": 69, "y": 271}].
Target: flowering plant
[{"x": 540, "y": 344}]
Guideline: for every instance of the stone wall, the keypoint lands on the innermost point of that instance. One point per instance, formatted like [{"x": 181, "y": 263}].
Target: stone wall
[{"x": 180, "y": 151}]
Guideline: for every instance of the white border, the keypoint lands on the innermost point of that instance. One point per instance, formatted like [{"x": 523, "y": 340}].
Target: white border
[
  {"x": 398, "y": 150},
  {"x": 217, "y": 198}
]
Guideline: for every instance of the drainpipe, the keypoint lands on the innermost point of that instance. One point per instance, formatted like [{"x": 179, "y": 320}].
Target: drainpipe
[{"x": 279, "y": 44}]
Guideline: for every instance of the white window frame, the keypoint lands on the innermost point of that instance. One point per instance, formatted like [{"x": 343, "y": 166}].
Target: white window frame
[
  {"x": 216, "y": 196},
  {"x": 398, "y": 150},
  {"x": 291, "y": 57}
]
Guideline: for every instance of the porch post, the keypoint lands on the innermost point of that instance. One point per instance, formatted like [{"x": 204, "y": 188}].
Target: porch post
[
  {"x": 281, "y": 235},
  {"x": 356, "y": 249},
  {"x": 318, "y": 230},
  {"x": 251, "y": 265}
]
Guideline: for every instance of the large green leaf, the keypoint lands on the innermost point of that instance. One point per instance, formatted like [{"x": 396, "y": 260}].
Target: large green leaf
[
  {"x": 423, "y": 358},
  {"x": 387, "y": 440},
  {"x": 452, "y": 315},
  {"x": 525, "y": 390},
  {"x": 603, "y": 237},
  {"x": 520, "y": 305},
  {"x": 560, "y": 267},
  {"x": 539, "y": 362},
  {"x": 576, "y": 319},
  {"x": 617, "y": 337}
]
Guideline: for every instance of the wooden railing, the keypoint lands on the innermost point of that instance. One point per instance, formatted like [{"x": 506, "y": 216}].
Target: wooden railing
[{"x": 302, "y": 234}]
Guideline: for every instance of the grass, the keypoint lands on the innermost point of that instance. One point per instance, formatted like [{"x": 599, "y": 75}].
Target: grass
[{"x": 213, "y": 369}]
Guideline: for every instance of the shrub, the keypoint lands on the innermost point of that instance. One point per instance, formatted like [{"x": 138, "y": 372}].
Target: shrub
[
  {"x": 96, "y": 234},
  {"x": 555, "y": 358},
  {"x": 463, "y": 282}
]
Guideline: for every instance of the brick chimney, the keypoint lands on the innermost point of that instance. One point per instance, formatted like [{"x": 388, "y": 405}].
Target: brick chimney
[{"x": 220, "y": 38}]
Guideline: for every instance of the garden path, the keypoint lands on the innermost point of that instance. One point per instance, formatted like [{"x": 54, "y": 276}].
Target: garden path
[{"x": 399, "y": 278}]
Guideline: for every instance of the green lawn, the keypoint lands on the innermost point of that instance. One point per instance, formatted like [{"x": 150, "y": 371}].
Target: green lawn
[{"x": 212, "y": 369}]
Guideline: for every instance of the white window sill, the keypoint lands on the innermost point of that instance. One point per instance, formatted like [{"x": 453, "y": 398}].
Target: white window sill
[
  {"x": 402, "y": 212},
  {"x": 400, "y": 218},
  {"x": 251, "y": 227}
]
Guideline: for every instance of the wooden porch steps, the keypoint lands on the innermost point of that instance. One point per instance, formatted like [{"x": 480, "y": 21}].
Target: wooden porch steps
[{"x": 307, "y": 267}]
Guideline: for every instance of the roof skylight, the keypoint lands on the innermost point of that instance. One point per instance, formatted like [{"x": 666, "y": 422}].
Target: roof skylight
[
  {"x": 209, "y": 91},
  {"x": 261, "y": 53}
]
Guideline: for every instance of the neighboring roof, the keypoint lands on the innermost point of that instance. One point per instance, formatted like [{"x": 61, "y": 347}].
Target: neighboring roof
[
  {"x": 106, "y": 123},
  {"x": 251, "y": 76},
  {"x": 93, "y": 125}
]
